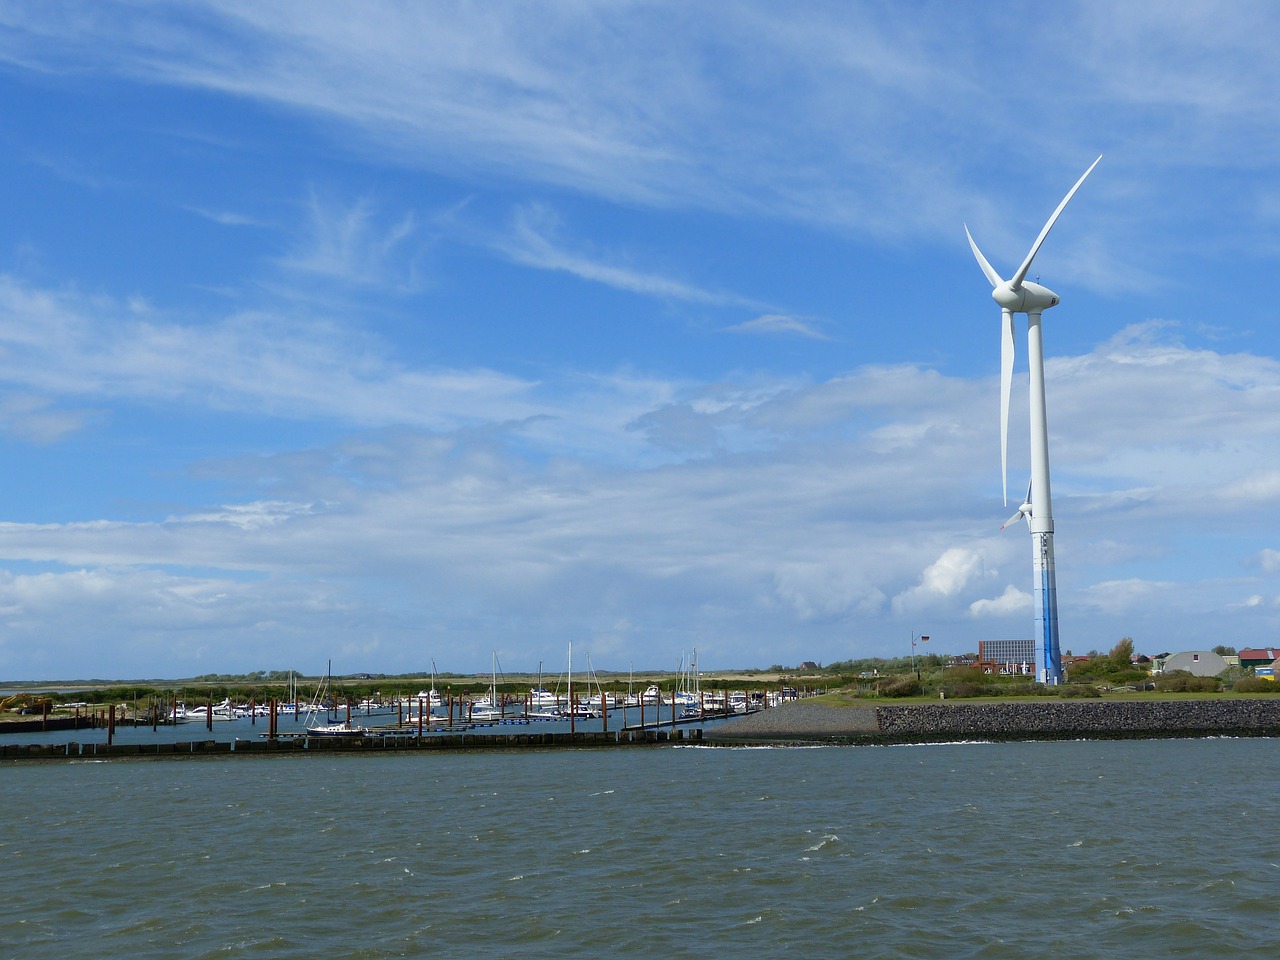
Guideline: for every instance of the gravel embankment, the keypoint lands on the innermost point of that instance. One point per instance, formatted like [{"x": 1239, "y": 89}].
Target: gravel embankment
[
  {"x": 801, "y": 720},
  {"x": 1005, "y": 721}
]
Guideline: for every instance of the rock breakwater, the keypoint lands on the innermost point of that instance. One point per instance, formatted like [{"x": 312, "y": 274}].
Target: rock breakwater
[{"x": 1037, "y": 720}]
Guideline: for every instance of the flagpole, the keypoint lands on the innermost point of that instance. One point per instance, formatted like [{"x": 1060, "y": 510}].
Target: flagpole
[{"x": 923, "y": 639}]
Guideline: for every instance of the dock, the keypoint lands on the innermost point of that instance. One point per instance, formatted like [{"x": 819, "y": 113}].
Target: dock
[{"x": 302, "y": 744}]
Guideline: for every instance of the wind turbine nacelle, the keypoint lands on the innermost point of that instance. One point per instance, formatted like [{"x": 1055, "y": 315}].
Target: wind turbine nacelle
[{"x": 1027, "y": 298}]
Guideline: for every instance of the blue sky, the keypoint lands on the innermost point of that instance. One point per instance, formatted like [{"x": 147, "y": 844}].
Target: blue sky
[{"x": 392, "y": 333}]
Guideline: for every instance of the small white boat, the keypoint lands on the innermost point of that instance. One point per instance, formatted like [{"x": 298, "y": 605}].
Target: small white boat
[
  {"x": 541, "y": 697},
  {"x": 180, "y": 714},
  {"x": 430, "y": 697},
  {"x": 337, "y": 730}
]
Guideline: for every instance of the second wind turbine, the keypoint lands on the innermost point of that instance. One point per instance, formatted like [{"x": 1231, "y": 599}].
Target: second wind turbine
[{"x": 1019, "y": 295}]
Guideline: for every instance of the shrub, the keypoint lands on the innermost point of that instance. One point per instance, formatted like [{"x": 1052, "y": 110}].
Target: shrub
[
  {"x": 899, "y": 687},
  {"x": 1255, "y": 685},
  {"x": 963, "y": 689},
  {"x": 1180, "y": 681},
  {"x": 1075, "y": 690},
  {"x": 1024, "y": 689}
]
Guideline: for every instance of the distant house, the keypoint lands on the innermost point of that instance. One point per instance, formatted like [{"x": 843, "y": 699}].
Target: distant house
[
  {"x": 1073, "y": 660},
  {"x": 1198, "y": 663},
  {"x": 809, "y": 665},
  {"x": 1258, "y": 656}
]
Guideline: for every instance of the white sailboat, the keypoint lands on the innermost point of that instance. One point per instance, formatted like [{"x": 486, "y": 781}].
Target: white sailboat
[
  {"x": 572, "y": 710},
  {"x": 489, "y": 709},
  {"x": 343, "y": 728}
]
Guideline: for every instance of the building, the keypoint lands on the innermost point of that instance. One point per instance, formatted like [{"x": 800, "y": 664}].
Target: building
[
  {"x": 1198, "y": 663},
  {"x": 1258, "y": 657},
  {"x": 1007, "y": 656}
]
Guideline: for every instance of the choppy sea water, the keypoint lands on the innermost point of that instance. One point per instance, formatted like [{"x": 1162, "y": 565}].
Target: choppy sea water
[{"x": 1064, "y": 850}]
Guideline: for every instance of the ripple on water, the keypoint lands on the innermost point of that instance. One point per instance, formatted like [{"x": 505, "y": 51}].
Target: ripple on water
[{"x": 992, "y": 851}]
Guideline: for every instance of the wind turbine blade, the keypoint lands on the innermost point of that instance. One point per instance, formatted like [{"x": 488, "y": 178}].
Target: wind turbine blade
[
  {"x": 1006, "y": 387},
  {"x": 982, "y": 261},
  {"x": 1021, "y": 275},
  {"x": 1012, "y": 520}
]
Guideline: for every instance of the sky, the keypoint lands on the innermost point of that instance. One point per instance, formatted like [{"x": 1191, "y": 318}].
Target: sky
[{"x": 400, "y": 334}]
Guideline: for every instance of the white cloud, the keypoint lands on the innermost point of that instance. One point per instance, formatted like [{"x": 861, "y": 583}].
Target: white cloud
[
  {"x": 944, "y": 578},
  {"x": 779, "y": 324},
  {"x": 345, "y": 242},
  {"x": 33, "y": 419},
  {"x": 851, "y": 119},
  {"x": 96, "y": 622},
  {"x": 802, "y": 534},
  {"x": 64, "y": 345},
  {"x": 1012, "y": 601},
  {"x": 531, "y": 245}
]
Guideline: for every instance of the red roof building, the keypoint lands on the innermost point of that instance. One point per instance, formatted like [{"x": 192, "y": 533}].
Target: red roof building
[{"x": 1259, "y": 657}]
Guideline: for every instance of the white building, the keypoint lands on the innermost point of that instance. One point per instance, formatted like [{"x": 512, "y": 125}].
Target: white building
[{"x": 1198, "y": 663}]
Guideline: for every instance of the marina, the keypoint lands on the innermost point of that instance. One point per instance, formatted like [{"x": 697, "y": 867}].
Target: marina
[{"x": 428, "y": 721}]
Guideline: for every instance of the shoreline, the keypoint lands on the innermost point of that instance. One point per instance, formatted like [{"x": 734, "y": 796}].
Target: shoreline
[
  {"x": 794, "y": 723},
  {"x": 876, "y": 723}
]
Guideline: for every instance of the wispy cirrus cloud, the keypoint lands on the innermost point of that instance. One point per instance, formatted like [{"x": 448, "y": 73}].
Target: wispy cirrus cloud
[
  {"x": 346, "y": 242},
  {"x": 532, "y": 242},
  {"x": 229, "y": 218},
  {"x": 850, "y": 122},
  {"x": 779, "y": 324}
]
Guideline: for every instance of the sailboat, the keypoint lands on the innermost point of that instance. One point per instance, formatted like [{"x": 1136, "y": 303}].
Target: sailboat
[
  {"x": 574, "y": 711},
  {"x": 489, "y": 709},
  {"x": 427, "y": 700},
  {"x": 343, "y": 729},
  {"x": 543, "y": 704}
]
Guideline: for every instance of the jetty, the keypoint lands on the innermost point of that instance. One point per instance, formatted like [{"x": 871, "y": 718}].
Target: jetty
[
  {"x": 376, "y": 742},
  {"x": 873, "y": 722}
]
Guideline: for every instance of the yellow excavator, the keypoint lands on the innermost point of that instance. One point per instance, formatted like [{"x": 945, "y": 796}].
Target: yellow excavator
[{"x": 25, "y": 703}]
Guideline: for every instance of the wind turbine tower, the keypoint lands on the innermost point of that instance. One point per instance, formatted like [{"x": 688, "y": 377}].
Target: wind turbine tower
[{"x": 1019, "y": 295}]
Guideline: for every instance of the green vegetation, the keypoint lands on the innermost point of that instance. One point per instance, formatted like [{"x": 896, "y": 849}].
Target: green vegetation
[
  {"x": 1255, "y": 685},
  {"x": 1116, "y": 674},
  {"x": 1180, "y": 681}
]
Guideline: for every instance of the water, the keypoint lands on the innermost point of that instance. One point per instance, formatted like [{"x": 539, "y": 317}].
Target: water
[{"x": 1063, "y": 850}]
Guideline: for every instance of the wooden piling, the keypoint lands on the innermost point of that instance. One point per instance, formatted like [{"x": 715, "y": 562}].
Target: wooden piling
[{"x": 111, "y": 724}]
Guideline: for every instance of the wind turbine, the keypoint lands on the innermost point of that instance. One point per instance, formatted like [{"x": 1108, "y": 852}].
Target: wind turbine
[{"x": 1020, "y": 295}]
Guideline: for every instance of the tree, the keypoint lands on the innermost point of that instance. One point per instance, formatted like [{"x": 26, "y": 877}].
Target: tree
[
  {"x": 1224, "y": 651},
  {"x": 1122, "y": 654}
]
